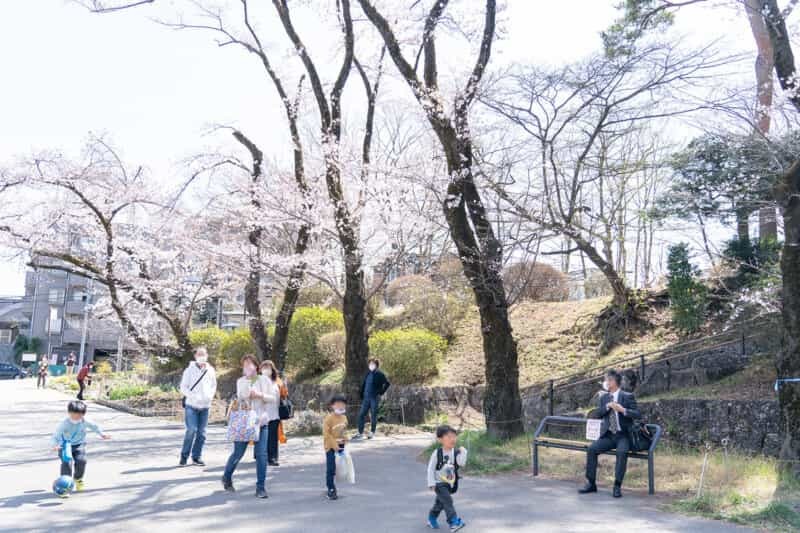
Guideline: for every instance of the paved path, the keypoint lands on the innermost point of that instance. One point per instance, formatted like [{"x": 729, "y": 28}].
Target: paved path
[{"x": 134, "y": 484}]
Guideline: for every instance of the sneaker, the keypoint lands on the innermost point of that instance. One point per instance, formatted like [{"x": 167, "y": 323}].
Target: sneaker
[
  {"x": 227, "y": 484},
  {"x": 182, "y": 462},
  {"x": 332, "y": 494},
  {"x": 457, "y": 524},
  {"x": 78, "y": 485},
  {"x": 357, "y": 436},
  {"x": 261, "y": 493},
  {"x": 198, "y": 462},
  {"x": 274, "y": 463},
  {"x": 370, "y": 434},
  {"x": 432, "y": 522}
]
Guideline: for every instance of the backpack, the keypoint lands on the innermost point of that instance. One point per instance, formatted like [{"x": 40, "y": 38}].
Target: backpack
[{"x": 440, "y": 462}]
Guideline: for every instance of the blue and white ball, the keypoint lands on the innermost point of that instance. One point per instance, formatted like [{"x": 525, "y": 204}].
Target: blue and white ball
[{"x": 63, "y": 485}]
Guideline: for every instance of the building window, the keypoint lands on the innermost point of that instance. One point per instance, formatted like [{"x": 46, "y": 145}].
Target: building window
[
  {"x": 56, "y": 296},
  {"x": 5, "y": 336},
  {"x": 73, "y": 321},
  {"x": 78, "y": 295}
]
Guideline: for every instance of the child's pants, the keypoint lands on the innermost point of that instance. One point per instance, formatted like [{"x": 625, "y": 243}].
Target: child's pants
[
  {"x": 79, "y": 457},
  {"x": 444, "y": 500},
  {"x": 330, "y": 469}
]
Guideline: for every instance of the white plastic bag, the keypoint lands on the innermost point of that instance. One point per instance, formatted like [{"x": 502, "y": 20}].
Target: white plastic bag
[{"x": 345, "y": 472}]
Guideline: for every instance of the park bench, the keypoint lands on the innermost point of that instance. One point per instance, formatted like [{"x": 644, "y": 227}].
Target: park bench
[{"x": 568, "y": 444}]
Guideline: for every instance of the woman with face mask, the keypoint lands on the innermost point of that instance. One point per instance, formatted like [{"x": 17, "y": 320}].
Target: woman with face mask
[
  {"x": 256, "y": 391},
  {"x": 275, "y": 388}
]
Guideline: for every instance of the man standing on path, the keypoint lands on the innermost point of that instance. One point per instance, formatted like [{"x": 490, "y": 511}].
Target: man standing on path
[
  {"x": 198, "y": 387},
  {"x": 70, "y": 363},
  {"x": 84, "y": 378},
  {"x": 617, "y": 411},
  {"x": 374, "y": 386},
  {"x": 41, "y": 373}
]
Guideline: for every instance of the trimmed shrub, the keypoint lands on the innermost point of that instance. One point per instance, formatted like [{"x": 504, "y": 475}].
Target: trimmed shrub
[
  {"x": 408, "y": 355},
  {"x": 308, "y": 325},
  {"x": 536, "y": 282},
  {"x": 235, "y": 344},
  {"x": 124, "y": 391},
  {"x": 212, "y": 338},
  {"x": 331, "y": 347}
]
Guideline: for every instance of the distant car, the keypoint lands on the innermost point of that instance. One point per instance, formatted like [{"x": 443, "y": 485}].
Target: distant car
[{"x": 11, "y": 371}]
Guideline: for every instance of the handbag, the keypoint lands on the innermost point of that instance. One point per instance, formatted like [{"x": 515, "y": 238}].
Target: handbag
[
  {"x": 242, "y": 423},
  {"x": 640, "y": 437},
  {"x": 285, "y": 409},
  {"x": 183, "y": 398}
]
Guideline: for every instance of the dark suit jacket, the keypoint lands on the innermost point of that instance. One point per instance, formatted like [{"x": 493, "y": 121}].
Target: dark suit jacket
[
  {"x": 380, "y": 383},
  {"x": 626, "y": 400}
]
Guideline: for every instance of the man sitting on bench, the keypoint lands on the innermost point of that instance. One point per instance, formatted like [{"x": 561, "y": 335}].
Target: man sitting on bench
[{"x": 617, "y": 412}]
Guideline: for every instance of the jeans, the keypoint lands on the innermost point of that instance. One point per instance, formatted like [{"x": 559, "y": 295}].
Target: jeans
[
  {"x": 330, "y": 469},
  {"x": 79, "y": 458},
  {"x": 371, "y": 405},
  {"x": 261, "y": 458},
  {"x": 608, "y": 441},
  {"x": 272, "y": 441},
  {"x": 41, "y": 380},
  {"x": 444, "y": 501},
  {"x": 81, "y": 386},
  {"x": 196, "y": 421}
]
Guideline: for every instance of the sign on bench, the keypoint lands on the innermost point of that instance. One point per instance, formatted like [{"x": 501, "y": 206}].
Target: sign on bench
[{"x": 593, "y": 429}]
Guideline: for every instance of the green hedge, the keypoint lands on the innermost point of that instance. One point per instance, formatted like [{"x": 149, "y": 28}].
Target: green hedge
[
  {"x": 236, "y": 344},
  {"x": 128, "y": 390},
  {"x": 408, "y": 355},
  {"x": 308, "y": 325}
]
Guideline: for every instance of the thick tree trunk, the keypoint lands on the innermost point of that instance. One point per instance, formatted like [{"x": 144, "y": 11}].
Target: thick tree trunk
[
  {"x": 252, "y": 305},
  {"x": 354, "y": 309},
  {"x": 788, "y": 360}
]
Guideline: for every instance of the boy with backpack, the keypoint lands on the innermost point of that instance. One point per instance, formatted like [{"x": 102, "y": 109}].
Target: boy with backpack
[
  {"x": 443, "y": 477},
  {"x": 69, "y": 440}
]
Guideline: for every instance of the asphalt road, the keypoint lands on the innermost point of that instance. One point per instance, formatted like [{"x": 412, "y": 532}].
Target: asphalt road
[{"x": 133, "y": 484}]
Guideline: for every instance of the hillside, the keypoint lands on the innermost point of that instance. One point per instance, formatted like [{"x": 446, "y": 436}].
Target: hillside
[{"x": 552, "y": 339}]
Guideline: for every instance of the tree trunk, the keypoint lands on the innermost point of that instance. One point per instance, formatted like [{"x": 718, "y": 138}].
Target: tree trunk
[
  {"x": 253, "y": 307},
  {"x": 788, "y": 360},
  {"x": 354, "y": 309},
  {"x": 743, "y": 225},
  {"x": 289, "y": 304}
]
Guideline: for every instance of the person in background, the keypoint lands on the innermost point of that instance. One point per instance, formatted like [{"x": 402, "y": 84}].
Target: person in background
[
  {"x": 69, "y": 440},
  {"x": 41, "y": 372},
  {"x": 270, "y": 372},
  {"x": 617, "y": 411},
  {"x": 84, "y": 378},
  {"x": 260, "y": 393},
  {"x": 71, "y": 363},
  {"x": 334, "y": 439},
  {"x": 373, "y": 387},
  {"x": 198, "y": 387},
  {"x": 443, "y": 477}
]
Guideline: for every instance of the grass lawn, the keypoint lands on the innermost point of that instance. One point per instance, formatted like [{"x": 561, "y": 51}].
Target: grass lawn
[{"x": 740, "y": 489}]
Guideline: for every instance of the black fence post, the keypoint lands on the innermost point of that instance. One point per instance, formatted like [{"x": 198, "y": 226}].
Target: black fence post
[
  {"x": 550, "y": 398},
  {"x": 641, "y": 368},
  {"x": 744, "y": 346}
]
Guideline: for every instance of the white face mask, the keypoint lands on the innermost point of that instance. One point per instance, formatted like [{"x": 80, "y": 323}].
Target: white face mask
[
  {"x": 340, "y": 411},
  {"x": 249, "y": 371},
  {"x": 201, "y": 359},
  {"x": 372, "y": 368},
  {"x": 605, "y": 385}
]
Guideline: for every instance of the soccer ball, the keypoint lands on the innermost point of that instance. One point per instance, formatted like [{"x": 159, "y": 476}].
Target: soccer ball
[{"x": 63, "y": 485}]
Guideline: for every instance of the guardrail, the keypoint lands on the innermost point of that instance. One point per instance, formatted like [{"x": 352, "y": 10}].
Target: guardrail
[{"x": 740, "y": 333}]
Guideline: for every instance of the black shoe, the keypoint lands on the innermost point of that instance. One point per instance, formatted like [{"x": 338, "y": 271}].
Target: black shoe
[
  {"x": 589, "y": 487},
  {"x": 227, "y": 484},
  {"x": 617, "y": 491},
  {"x": 182, "y": 462},
  {"x": 332, "y": 494},
  {"x": 198, "y": 462},
  {"x": 274, "y": 463},
  {"x": 261, "y": 493}
]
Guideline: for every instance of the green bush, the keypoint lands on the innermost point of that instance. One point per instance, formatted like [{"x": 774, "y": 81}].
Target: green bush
[
  {"x": 687, "y": 296},
  {"x": 103, "y": 368},
  {"x": 408, "y": 355},
  {"x": 331, "y": 347},
  {"x": 210, "y": 337},
  {"x": 123, "y": 391},
  {"x": 308, "y": 325},
  {"x": 754, "y": 260},
  {"x": 236, "y": 344}
]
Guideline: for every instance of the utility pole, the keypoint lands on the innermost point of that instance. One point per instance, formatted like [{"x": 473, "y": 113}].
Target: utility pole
[{"x": 86, "y": 307}]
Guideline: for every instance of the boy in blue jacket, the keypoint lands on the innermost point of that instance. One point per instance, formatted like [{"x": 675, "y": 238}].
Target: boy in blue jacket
[{"x": 69, "y": 440}]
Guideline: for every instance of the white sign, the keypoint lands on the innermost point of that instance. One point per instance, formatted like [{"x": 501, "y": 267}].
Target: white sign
[
  {"x": 593, "y": 429},
  {"x": 28, "y": 357}
]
